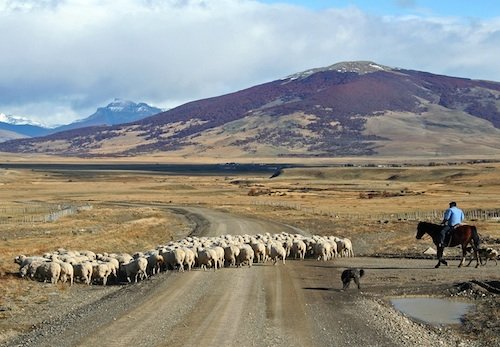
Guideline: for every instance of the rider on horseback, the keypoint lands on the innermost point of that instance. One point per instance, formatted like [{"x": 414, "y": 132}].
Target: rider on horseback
[{"x": 453, "y": 216}]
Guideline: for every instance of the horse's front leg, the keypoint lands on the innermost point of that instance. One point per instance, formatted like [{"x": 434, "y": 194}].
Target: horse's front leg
[{"x": 440, "y": 257}]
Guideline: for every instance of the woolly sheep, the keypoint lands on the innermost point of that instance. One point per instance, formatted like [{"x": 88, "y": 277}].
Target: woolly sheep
[
  {"x": 83, "y": 271},
  {"x": 231, "y": 252},
  {"x": 259, "y": 249},
  {"x": 101, "y": 272},
  {"x": 298, "y": 249},
  {"x": 155, "y": 263},
  {"x": 246, "y": 255},
  {"x": 174, "y": 258},
  {"x": 219, "y": 251},
  {"x": 277, "y": 251},
  {"x": 23, "y": 260},
  {"x": 189, "y": 259},
  {"x": 29, "y": 270},
  {"x": 136, "y": 268},
  {"x": 67, "y": 272},
  {"x": 48, "y": 271},
  {"x": 206, "y": 258}
]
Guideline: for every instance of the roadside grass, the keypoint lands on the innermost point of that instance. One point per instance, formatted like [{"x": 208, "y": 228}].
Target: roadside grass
[{"x": 323, "y": 201}]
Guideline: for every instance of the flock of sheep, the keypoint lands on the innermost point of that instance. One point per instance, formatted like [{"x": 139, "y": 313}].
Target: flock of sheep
[{"x": 201, "y": 252}]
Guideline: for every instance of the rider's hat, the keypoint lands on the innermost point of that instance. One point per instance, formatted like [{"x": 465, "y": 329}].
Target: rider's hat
[{"x": 453, "y": 203}]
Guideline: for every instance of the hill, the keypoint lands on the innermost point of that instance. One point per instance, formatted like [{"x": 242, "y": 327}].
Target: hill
[{"x": 346, "y": 109}]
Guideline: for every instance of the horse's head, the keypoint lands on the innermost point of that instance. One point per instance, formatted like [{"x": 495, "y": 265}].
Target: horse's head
[{"x": 420, "y": 230}]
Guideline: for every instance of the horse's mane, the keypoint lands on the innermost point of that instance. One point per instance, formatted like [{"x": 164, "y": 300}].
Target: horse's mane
[{"x": 431, "y": 226}]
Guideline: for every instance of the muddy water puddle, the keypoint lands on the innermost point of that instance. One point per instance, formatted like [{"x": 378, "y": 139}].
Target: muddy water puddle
[{"x": 432, "y": 310}]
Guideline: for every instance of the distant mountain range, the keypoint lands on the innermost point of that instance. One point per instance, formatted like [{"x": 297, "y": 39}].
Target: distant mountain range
[
  {"x": 347, "y": 109},
  {"x": 117, "y": 112}
]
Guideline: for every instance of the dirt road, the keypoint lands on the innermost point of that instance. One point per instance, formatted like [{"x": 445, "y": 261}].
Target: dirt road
[{"x": 294, "y": 304}]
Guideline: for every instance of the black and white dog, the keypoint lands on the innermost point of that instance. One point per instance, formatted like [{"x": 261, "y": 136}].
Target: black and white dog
[{"x": 351, "y": 274}]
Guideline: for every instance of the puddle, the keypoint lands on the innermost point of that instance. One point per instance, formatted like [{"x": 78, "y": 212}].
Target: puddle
[{"x": 432, "y": 310}]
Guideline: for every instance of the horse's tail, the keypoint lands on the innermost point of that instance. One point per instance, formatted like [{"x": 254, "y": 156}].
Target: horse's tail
[{"x": 475, "y": 237}]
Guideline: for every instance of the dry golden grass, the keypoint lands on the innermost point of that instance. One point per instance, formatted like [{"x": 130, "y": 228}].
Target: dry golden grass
[{"x": 128, "y": 211}]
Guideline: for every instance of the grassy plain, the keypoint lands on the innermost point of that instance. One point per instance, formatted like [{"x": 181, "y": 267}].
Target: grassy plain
[{"x": 129, "y": 210}]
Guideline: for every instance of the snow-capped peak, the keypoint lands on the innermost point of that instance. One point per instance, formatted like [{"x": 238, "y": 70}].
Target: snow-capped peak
[
  {"x": 16, "y": 120},
  {"x": 359, "y": 67},
  {"x": 118, "y": 105}
]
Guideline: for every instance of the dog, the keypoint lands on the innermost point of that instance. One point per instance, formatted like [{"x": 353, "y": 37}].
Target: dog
[
  {"x": 351, "y": 274},
  {"x": 485, "y": 254}
]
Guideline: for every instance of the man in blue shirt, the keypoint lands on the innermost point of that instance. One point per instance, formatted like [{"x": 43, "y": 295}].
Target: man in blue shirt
[{"x": 453, "y": 216}]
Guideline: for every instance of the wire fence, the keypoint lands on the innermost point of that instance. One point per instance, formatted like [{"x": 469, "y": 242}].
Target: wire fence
[
  {"x": 433, "y": 215},
  {"x": 39, "y": 213}
]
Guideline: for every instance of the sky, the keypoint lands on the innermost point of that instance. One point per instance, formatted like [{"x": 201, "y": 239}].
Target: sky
[{"x": 61, "y": 59}]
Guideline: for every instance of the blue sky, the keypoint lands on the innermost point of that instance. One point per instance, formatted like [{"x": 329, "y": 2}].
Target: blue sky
[
  {"x": 61, "y": 59},
  {"x": 462, "y": 8}
]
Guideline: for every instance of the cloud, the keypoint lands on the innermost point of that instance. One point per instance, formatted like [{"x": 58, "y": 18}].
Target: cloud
[{"x": 69, "y": 57}]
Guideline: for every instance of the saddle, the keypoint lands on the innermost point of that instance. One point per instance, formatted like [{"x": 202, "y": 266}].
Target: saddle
[{"x": 449, "y": 235}]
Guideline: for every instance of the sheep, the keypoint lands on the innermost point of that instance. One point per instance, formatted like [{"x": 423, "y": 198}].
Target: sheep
[
  {"x": 83, "y": 271},
  {"x": 298, "y": 249},
  {"x": 48, "y": 271},
  {"x": 323, "y": 250},
  {"x": 155, "y": 263},
  {"x": 277, "y": 251},
  {"x": 67, "y": 272},
  {"x": 23, "y": 260},
  {"x": 206, "y": 258},
  {"x": 246, "y": 255},
  {"x": 259, "y": 249},
  {"x": 231, "y": 252},
  {"x": 29, "y": 270},
  {"x": 174, "y": 258},
  {"x": 348, "y": 247},
  {"x": 136, "y": 268},
  {"x": 189, "y": 259},
  {"x": 219, "y": 251},
  {"x": 101, "y": 272}
]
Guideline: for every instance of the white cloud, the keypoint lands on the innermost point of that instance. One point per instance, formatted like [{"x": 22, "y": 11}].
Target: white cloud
[{"x": 60, "y": 60}]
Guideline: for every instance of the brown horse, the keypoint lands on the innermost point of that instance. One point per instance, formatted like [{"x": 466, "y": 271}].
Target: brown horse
[{"x": 461, "y": 235}]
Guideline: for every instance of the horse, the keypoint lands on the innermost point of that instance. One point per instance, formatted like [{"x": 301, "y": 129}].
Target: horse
[{"x": 461, "y": 235}]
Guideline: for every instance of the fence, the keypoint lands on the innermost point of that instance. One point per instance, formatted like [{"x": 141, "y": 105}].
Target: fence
[
  {"x": 39, "y": 214},
  {"x": 434, "y": 215}
]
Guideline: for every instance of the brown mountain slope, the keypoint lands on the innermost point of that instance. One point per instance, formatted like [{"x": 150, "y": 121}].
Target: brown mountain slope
[{"x": 347, "y": 109}]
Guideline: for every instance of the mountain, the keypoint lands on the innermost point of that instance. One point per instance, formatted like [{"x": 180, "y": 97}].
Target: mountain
[
  {"x": 346, "y": 109},
  {"x": 117, "y": 112},
  {"x": 13, "y": 127}
]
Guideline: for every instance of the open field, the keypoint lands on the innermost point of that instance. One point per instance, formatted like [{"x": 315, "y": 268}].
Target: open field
[{"x": 129, "y": 211}]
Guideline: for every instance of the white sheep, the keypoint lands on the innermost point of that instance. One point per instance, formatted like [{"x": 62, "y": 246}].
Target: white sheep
[
  {"x": 299, "y": 249},
  {"x": 23, "y": 260},
  {"x": 277, "y": 251},
  {"x": 259, "y": 249},
  {"x": 207, "y": 258},
  {"x": 174, "y": 258},
  {"x": 246, "y": 255},
  {"x": 48, "y": 271},
  {"x": 189, "y": 259},
  {"x": 29, "y": 270},
  {"x": 231, "y": 252},
  {"x": 136, "y": 268},
  {"x": 101, "y": 272},
  {"x": 67, "y": 272},
  {"x": 155, "y": 263},
  {"x": 83, "y": 271},
  {"x": 323, "y": 250}
]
